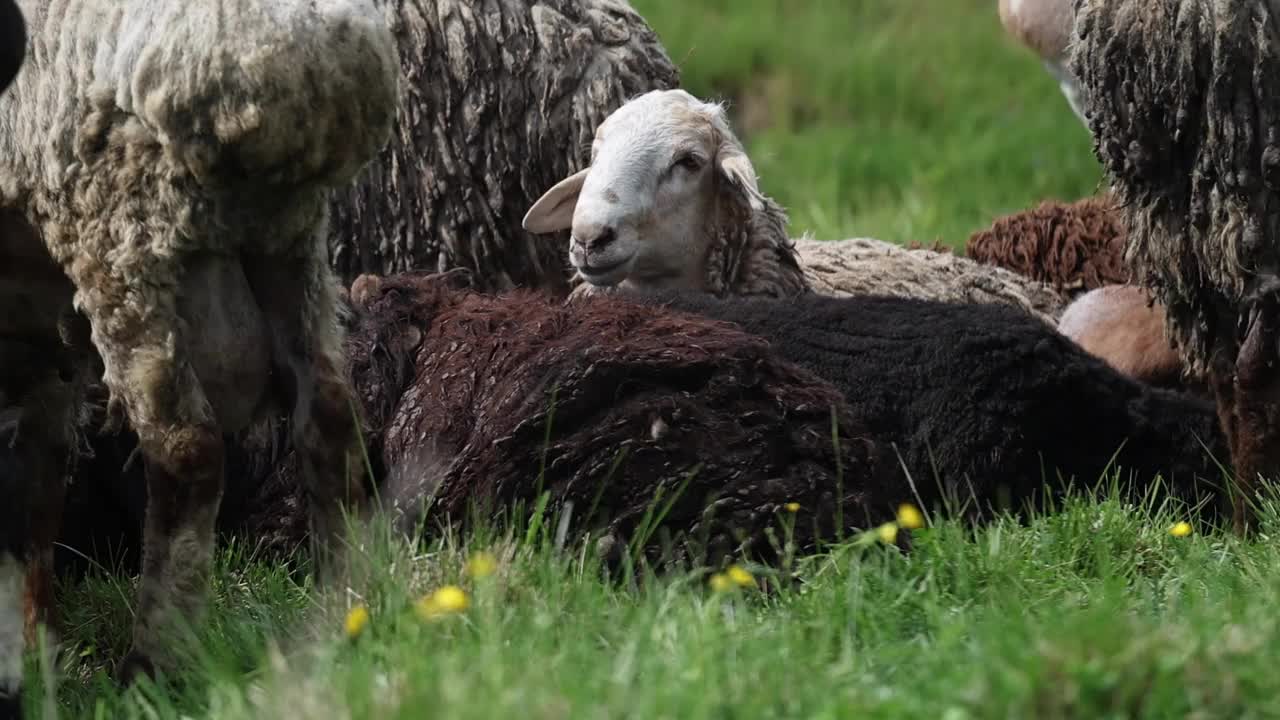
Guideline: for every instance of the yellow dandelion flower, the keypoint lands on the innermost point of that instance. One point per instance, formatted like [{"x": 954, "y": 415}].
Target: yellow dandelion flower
[
  {"x": 740, "y": 576},
  {"x": 357, "y": 619},
  {"x": 721, "y": 583},
  {"x": 792, "y": 507},
  {"x": 909, "y": 517},
  {"x": 481, "y": 564},
  {"x": 448, "y": 600},
  {"x": 1180, "y": 529},
  {"x": 887, "y": 532}
]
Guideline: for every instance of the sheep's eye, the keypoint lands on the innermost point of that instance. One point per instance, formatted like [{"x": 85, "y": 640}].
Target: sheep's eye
[{"x": 691, "y": 163}]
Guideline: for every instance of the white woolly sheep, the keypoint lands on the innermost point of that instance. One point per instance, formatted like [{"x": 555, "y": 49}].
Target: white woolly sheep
[
  {"x": 175, "y": 160},
  {"x": 670, "y": 199},
  {"x": 866, "y": 266},
  {"x": 513, "y": 83}
]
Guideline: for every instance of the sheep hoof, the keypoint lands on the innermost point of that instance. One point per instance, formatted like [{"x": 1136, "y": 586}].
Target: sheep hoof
[{"x": 133, "y": 666}]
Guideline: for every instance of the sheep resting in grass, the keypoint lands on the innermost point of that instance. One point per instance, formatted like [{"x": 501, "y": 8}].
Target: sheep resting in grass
[
  {"x": 866, "y": 266},
  {"x": 982, "y": 401},
  {"x": 175, "y": 161},
  {"x": 670, "y": 199},
  {"x": 608, "y": 406},
  {"x": 1074, "y": 247},
  {"x": 500, "y": 101},
  {"x": 984, "y": 404},
  {"x": 1183, "y": 109},
  {"x": 1122, "y": 325}
]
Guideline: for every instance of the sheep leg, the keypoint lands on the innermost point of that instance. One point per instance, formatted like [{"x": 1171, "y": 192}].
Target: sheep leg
[
  {"x": 299, "y": 298},
  {"x": 184, "y": 471},
  {"x": 149, "y": 374},
  {"x": 1256, "y": 392}
]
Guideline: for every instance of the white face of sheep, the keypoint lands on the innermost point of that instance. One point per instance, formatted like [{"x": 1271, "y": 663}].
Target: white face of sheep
[{"x": 661, "y": 166}]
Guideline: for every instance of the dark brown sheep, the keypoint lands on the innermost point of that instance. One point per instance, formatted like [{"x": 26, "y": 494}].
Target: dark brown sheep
[
  {"x": 460, "y": 389},
  {"x": 1075, "y": 247},
  {"x": 455, "y": 388},
  {"x": 983, "y": 401}
]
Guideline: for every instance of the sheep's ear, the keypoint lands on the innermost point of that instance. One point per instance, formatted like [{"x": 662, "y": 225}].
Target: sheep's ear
[
  {"x": 735, "y": 168},
  {"x": 554, "y": 210}
]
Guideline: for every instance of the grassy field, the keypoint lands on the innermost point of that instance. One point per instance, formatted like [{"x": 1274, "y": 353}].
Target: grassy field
[
  {"x": 900, "y": 119},
  {"x": 897, "y": 119}
]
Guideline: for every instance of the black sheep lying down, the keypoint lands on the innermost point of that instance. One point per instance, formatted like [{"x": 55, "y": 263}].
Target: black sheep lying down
[
  {"x": 983, "y": 400},
  {"x": 455, "y": 392},
  {"x": 466, "y": 397},
  {"x": 477, "y": 400}
]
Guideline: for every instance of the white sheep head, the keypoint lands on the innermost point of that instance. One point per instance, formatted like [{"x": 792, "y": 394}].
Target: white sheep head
[{"x": 664, "y": 168}]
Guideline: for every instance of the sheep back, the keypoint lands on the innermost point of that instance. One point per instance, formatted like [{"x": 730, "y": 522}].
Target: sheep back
[
  {"x": 866, "y": 266},
  {"x": 983, "y": 401},
  {"x": 1074, "y": 247},
  {"x": 499, "y": 103},
  {"x": 499, "y": 389},
  {"x": 234, "y": 92}
]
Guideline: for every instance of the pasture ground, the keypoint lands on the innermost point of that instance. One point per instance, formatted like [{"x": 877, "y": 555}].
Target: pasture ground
[{"x": 899, "y": 119}]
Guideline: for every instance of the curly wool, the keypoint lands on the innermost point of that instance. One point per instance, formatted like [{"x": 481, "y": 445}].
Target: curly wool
[
  {"x": 461, "y": 390},
  {"x": 1074, "y": 247},
  {"x": 982, "y": 401},
  {"x": 865, "y": 266},
  {"x": 502, "y": 100},
  {"x": 1185, "y": 119},
  {"x": 164, "y": 153},
  {"x": 175, "y": 129}
]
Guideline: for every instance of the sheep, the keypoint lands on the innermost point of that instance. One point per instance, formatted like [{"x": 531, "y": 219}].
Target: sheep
[
  {"x": 670, "y": 199},
  {"x": 1123, "y": 326},
  {"x": 866, "y": 266},
  {"x": 501, "y": 102},
  {"x": 981, "y": 400},
  {"x": 1180, "y": 110},
  {"x": 174, "y": 162},
  {"x": 993, "y": 400},
  {"x": 459, "y": 390},
  {"x": 1044, "y": 27},
  {"x": 1074, "y": 247}
]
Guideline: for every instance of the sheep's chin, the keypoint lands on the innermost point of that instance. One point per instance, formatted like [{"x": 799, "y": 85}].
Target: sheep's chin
[{"x": 608, "y": 275}]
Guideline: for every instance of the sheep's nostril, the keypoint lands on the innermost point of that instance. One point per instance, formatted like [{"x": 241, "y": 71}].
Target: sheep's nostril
[{"x": 603, "y": 238}]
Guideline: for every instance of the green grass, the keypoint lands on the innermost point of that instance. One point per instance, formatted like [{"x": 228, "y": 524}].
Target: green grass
[
  {"x": 899, "y": 119},
  {"x": 1094, "y": 611}
]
